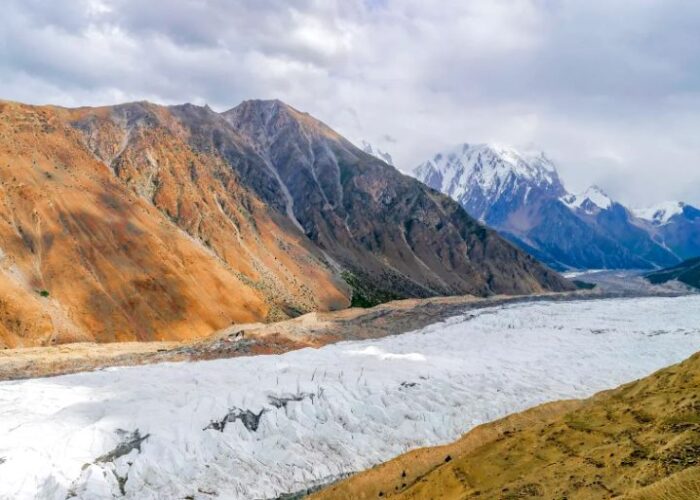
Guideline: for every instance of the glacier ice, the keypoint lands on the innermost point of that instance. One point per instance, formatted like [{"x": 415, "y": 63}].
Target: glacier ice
[{"x": 302, "y": 418}]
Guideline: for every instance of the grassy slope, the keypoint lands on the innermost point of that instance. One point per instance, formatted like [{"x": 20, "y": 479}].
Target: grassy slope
[{"x": 640, "y": 441}]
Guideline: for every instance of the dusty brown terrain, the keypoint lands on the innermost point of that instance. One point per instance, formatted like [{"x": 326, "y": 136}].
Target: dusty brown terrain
[
  {"x": 311, "y": 330},
  {"x": 640, "y": 441},
  {"x": 86, "y": 255},
  {"x": 141, "y": 222}
]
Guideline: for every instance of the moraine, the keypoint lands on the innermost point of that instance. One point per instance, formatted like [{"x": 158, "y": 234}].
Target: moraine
[{"x": 262, "y": 426}]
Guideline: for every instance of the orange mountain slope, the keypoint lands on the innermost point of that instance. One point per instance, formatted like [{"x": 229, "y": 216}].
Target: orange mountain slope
[{"x": 127, "y": 247}]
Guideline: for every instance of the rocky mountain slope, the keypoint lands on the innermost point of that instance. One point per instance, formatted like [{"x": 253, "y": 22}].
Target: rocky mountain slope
[
  {"x": 394, "y": 236},
  {"x": 142, "y": 222},
  {"x": 522, "y": 196},
  {"x": 640, "y": 441},
  {"x": 112, "y": 228}
]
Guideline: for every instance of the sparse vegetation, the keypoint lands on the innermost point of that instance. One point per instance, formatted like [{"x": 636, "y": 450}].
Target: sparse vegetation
[
  {"x": 364, "y": 294},
  {"x": 583, "y": 285},
  {"x": 43, "y": 293},
  {"x": 687, "y": 272}
]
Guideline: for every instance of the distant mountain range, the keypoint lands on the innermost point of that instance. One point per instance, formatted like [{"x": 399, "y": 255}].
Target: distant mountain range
[
  {"x": 147, "y": 222},
  {"x": 521, "y": 195}
]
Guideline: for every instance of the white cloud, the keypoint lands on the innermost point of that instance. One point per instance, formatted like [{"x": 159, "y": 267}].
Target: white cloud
[{"x": 610, "y": 89}]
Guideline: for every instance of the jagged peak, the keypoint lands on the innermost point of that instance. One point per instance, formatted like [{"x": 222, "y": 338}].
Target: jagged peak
[
  {"x": 592, "y": 199},
  {"x": 505, "y": 153},
  {"x": 272, "y": 106},
  {"x": 488, "y": 166},
  {"x": 598, "y": 196},
  {"x": 259, "y": 110}
]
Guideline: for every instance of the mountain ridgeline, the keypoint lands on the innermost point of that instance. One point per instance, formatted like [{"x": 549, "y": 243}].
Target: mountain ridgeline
[
  {"x": 144, "y": 222},
  {"x": 522, "y": 196}
]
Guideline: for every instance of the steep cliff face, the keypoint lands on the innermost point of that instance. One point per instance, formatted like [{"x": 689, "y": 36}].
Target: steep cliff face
[{"x": 140, "y": 222}]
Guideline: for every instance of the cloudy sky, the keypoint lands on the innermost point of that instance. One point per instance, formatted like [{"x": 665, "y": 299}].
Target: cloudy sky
[{"x": 610, "y": 89}]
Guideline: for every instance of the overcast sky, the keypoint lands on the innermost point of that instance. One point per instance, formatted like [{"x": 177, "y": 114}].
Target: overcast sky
[{"x": 610, "y": 89}]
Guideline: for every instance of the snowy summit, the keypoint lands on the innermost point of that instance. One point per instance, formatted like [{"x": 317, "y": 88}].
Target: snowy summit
[
  {"x": 486, "y": 166},
  {"x": 661, "y": 213},
  {"x": 591, "y": 200},
  {"x": 521, "y": 195},
  {"x": 479, "y": 175}
]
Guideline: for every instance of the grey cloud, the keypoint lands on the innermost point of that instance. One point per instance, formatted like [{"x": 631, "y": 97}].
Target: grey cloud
[{"x": 610, "y": 89}]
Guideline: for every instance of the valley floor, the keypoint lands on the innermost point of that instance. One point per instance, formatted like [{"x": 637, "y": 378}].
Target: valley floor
[
  {"x": 263, "y": 426},
  {"x": 309, "y": 330}
]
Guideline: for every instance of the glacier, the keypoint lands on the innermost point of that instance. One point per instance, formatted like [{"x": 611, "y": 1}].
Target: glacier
[{"x": 262, "y": 426}]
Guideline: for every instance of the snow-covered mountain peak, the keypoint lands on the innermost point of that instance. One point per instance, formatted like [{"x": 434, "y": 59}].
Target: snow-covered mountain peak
[
  {"x": 591, "y": 200},
  {"x": 520, "y": 195},
  {"x": 377, "y": 153},
  {"x": 490, "y": 168},
  {"x": 660, "y": 213},
  {"x": 540, "y": 159},
  {"x": 598, "y": 196}
]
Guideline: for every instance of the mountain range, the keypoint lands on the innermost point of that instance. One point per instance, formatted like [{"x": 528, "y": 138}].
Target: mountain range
[
  {"x": 521, "y": 195},
  {"x": 146, "y": 222}
]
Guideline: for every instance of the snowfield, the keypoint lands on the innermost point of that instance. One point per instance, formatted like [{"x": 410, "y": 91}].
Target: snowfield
[{"x": 261, "y": 426}]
